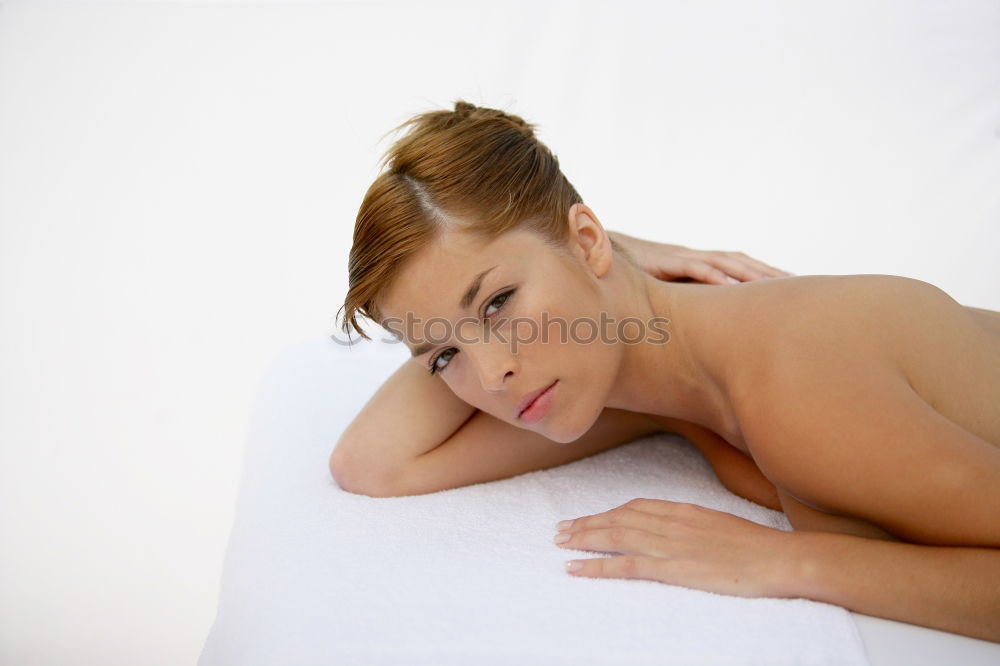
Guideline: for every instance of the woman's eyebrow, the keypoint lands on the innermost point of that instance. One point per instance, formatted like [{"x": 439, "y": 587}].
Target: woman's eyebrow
[
  {"x": 421, "y": 349},
  {"x": 470, "y": 294}
]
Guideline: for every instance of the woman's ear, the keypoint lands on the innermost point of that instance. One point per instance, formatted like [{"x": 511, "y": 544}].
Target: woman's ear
[{"x": 588, "y": 239}]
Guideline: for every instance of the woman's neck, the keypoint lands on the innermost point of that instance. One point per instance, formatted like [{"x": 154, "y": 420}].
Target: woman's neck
[{"x": 674, "y": 378}]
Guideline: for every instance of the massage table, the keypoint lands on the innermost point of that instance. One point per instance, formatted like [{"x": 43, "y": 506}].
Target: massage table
[{"x": 314, "y": 574}]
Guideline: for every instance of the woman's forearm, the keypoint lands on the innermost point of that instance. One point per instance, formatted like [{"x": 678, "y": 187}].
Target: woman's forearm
[
  {"x": 414, "y": 436},
  {"x": 410, "y": 414},
  {"x": 954, "y": 589},
  {"x": 486, "y": 448}
]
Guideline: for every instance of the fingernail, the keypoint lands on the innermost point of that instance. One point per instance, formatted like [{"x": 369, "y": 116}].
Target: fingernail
[
  {"x": 732, "y": 280},
  {"x": 574, "y": 565},
  {"x": 563, "y": 525},
  {"x": 561, "y": 538}
]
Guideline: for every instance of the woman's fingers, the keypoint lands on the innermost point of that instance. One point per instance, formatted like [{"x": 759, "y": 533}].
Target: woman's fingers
[
  {"x": 739, "y": 266},
  {"x": 636, "y": 527},
  {"x": 627, "y": 513},
  {"x": 683, "y": 573},
  {"x": 666, "y": 261},
  {"x": 623, "y": 566},
  {"x": 765, "y": 269},
  {"x": 680, "y": 544},
  {"x": 703, "y": 271},
  {"x": 716, "y": 268},
  {"x": 742, "y": 269},
  {"x": 620, "y": 539}
]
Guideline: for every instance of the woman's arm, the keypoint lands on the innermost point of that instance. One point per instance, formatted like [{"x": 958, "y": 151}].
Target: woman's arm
[
  {"x": 410, "y": 414},
  {"x": 947, "y": 588},
  {"x": 434, "y": 441},
  {"x": 415, "y": 436},
  {"x": 735, "y": 470}
]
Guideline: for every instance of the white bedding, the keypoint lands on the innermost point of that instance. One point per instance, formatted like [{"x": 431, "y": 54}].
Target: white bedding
[{"x": 317, "y": 575}]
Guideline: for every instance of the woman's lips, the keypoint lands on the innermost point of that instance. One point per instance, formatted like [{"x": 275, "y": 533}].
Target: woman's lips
[
  {"x": 537, "y": 405},
  {"x": 529, "y": 398}
]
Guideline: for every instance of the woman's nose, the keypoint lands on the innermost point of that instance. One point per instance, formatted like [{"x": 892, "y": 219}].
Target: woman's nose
[{"x": 494, "y": 361}]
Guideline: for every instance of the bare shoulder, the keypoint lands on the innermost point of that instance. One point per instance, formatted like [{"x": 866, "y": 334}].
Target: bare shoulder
[
  {"x": 838, "y": 418},
  {"x": 825, "y": 331},
  {"x": 827, "y": 320},
  {"x": 827, "y": 373},
  {"x": 812, "y": 320},
  {"x": 870, "y": 299},
  {"x": 829, "y": 339},
  {"x": 988, "y": 319}
]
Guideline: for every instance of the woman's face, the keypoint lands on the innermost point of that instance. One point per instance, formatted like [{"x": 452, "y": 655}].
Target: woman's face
[{"x": 498, "y": 349}]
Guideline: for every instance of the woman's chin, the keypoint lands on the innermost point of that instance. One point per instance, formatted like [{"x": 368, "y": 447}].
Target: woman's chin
[
  {"x": 557, "y": 438},
  {"x": 561, "y": 435},
  {"x": 565, "y": 432}
]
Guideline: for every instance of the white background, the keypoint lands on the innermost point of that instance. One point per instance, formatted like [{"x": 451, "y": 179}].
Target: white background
[{"x": 178, "y": 186}]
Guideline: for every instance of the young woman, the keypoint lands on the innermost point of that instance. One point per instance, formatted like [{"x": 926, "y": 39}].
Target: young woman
[{"x": 866, "y": 407}]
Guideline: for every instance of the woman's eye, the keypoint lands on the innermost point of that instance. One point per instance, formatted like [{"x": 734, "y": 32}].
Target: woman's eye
[
  {"x": 502, "y": 298},
  {"x": 434, "y": 362}
]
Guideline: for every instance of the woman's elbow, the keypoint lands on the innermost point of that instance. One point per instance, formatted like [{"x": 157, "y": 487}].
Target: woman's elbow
[{"x": 352, "y": 476}]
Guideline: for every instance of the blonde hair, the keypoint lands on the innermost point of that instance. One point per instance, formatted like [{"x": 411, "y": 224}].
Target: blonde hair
[{"x": 476, "y": 170}]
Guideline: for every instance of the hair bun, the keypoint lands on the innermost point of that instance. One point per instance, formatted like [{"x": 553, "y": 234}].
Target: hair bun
[{"x": 464, "y": 108}]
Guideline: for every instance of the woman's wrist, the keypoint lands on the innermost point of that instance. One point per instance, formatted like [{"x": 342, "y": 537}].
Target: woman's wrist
[{"x": 793, "y": 566}]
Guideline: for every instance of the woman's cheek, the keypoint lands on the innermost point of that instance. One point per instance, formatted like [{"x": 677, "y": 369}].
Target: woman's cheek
[{"x": 463, "y": 382}]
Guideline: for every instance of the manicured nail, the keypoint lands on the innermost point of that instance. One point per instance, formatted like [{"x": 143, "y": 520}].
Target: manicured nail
[
  {"x": 574, "y": 565},
  {"x": 562, "y": 537},
  {"x": 732, "y": 280},
  {"x": 563, "y": 525}
]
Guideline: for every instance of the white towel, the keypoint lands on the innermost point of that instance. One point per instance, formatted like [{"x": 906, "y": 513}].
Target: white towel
[{"x": 468, "y": 576}]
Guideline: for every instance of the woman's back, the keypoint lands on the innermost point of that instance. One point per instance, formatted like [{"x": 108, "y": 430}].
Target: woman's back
[
  {"x": 805, "y": 331},
  {"x": 858, "y": 396}
]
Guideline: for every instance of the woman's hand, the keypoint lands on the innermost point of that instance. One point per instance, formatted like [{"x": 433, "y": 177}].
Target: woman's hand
[
  {"x": 683, "y": 544},
  {"x": 670, "y": 262}
]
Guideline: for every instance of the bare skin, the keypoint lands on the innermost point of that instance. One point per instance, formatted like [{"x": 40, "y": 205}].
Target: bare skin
[
  {"x": 869, "y": 403},
  {"x": 436, "y": 440},
  {"x": 964, "y": 341}
]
